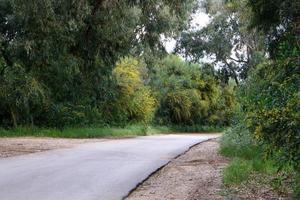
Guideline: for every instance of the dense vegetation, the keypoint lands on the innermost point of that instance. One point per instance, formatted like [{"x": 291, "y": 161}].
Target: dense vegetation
[
  {"x": 102, "y": 63},
  {"x": 265, "y": 134},
  {"x": 188, "y": 95}
]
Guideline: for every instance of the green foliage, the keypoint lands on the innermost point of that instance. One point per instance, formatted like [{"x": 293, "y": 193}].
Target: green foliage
[
  {"x": 237, "y": 172},
  {"x": 197, "y": 128},
  {"x": 248, "y": 161},
  {"x": 269, "y": 97},
  {"x": 271, "y": 102},
  {"x": 269, "y": 14},
  {"x": 266, "y": 132},
  {"x": 226, "y": 40},
  {"x": 255, "y": 133},
  {"x": 68, "y": 115},
  {"x": 187, "y": 96},
  {"x": 21, "y": 95},
  {"x": 179, "y": 105},
  {"x": 238, "y": 142},
  {"x": 135, "y": 101},
  {"x": 57, "y": 59},
  {"x": 296, "y": 194}
]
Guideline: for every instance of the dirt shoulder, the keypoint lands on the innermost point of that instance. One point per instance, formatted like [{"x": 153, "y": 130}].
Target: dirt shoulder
[
  {"x": 194, "y": 175},
  {"x": 19, "y": 146}
]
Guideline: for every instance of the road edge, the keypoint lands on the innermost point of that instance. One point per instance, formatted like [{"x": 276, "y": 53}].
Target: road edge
[{"x": 161, "y": 167}]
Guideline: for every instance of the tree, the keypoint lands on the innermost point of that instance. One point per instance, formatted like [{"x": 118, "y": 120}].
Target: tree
[
  {"x": 188, "y": 96},
  {"x": 278, "y": 19},
  {"x": 226, "y": 40},
  {"x": 21, "y": 95}
]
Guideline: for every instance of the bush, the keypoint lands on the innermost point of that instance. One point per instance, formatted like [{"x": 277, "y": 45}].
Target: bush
[
  {"x": 238, "y": 142},
  {"x": 143, "y": 106},
  {"x": 69, "y": 115},
  {"x": 134, "y": 101},
  {"x": 271, "y": 102},
  {"x": 179, "y": 106}
]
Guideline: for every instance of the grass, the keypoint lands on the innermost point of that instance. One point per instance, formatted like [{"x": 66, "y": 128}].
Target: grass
[
  {"x": 91, "y": 132},
  {"x": 241, "y": 151},
  {"x": 238, "y": 171},
  {"x": 96, "y": 132},
  {"x": 247, "y": 158},
  {"x": 248, "y": 161}
]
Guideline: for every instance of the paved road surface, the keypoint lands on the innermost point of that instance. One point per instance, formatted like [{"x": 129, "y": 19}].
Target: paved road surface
[{"x": 95, "y": 171}]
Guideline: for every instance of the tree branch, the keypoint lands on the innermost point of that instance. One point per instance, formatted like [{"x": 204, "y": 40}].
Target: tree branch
[{"x": 236, "y": 60}]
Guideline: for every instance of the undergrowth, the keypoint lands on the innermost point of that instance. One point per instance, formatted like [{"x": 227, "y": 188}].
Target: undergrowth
[{"x": 248, "y": 161}]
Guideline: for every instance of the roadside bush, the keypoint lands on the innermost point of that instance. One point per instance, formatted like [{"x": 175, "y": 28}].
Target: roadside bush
[
  {"x": 143, "y": 106},
  {"x": 134, "y": 101},
  {"x": 238, "y": 142},
  {"x": 224, "y": 108},
  {"x": 271, "y": 101},
  {"x": 69, "y": 115}
]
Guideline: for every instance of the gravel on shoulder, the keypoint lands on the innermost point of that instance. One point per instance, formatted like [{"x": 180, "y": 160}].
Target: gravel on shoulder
[{"x": 193, "y": 175}]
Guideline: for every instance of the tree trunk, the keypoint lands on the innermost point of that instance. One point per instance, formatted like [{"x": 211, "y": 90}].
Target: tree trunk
[
  {"x": 232, "y": 71},
  {"x": 97, "y": 6},
  {"x": 297, "y": 28},
  {"x": 14, "y": 117}
]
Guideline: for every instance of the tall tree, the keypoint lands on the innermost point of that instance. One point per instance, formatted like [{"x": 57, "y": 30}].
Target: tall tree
[{"x": 226, "y": 40}]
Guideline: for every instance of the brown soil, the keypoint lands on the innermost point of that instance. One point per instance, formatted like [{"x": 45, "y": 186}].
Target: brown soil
[
  {"x": 18, "y": 146},
  {"x": 194, "y": 175}
]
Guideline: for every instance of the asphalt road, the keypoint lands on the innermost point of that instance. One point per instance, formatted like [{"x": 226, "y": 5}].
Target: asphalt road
[{"x": 105, "y": 170}]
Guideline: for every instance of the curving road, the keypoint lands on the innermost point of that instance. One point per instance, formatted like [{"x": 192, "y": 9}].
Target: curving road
[{"x": 105, "y": 170}]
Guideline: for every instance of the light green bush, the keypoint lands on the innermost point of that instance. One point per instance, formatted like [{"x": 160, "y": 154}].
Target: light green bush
[{"x": 135, "y": 101}]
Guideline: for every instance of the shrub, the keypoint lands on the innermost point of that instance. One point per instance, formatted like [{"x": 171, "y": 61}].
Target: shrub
[
  {"x": 271, "y": 101},
  {"x": 238, "y": 142},
  {"x": 179, "y": 106},
  {"x": 134, "y": 102},
  {"x": 143, "y": 106},
  {"x": 64, "y": 115}
]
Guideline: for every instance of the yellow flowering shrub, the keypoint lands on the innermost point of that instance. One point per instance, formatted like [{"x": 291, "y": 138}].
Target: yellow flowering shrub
[{"x": 135, "y": 101}]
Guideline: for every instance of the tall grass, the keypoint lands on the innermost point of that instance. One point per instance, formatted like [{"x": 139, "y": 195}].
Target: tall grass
[
  {"x": 247, "y": 155},
  {"x": 238, "y": 171}
]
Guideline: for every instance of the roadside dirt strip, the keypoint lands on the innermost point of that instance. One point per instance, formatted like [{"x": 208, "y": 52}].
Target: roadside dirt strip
[
  {"x": 192, "y": 176},
  {"x": 19, "y": 146}
]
